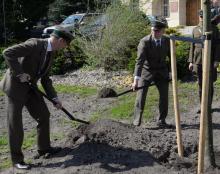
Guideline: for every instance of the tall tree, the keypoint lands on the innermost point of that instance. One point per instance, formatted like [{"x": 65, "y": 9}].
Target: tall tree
[{"x": 23, "y": 14}]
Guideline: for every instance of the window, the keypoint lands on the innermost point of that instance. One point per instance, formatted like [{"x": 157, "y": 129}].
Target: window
[{"x": 166, "y": 11}]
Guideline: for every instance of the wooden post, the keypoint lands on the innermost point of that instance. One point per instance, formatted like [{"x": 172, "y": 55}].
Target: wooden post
[
  {"x": 204, "y": 102},
  {"x": 175, "y": 97}
]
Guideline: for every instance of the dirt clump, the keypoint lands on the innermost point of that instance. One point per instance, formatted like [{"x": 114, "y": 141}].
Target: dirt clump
[{"x": 106, "y": 92}]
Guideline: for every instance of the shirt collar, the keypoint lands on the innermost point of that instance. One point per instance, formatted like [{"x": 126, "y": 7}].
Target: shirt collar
[
  {"x": 49, "y": 46},
  {"x": 155, "y": 40}
]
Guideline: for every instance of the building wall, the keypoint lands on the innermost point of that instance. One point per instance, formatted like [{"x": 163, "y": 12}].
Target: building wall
[
  {"x": 177, "y": 13},
  {"x": 146, "y": 6},
  {"x": 177, "y": 10},
  {"x": 155, "y": 7}
]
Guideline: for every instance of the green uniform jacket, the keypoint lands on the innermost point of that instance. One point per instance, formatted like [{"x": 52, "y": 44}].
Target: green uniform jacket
[
  {"x": 151, "y": 60},
  {"x": 196, "y": 52},
  {"x": 26, "y": 57}
]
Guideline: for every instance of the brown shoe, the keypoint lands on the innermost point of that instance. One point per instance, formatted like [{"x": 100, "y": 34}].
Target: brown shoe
[{"x": 22, "y": 166}]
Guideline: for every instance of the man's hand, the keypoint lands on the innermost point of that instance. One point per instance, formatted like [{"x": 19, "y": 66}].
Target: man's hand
[
  {"x": 24, "y": 77},
  {"x": 135, "y": 84},
  {"x": 170, "y": 77},
  {"x": 58, "y": 104},
  {"x": 216, "y": 64},
  {"x": 190, "y": 66}
]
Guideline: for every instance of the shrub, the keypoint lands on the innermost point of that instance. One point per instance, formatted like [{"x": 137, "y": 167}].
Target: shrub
[
  {"x": 172, "y": 30},
  {"x": 113, "y": 50},
  {"x": 68, "y": 59},
  {"x": 132, "y": 61},
  {"x": 182, "y": 54}
]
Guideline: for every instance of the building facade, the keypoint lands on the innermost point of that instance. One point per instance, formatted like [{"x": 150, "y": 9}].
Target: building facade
[{"x": 177, "y": 12}]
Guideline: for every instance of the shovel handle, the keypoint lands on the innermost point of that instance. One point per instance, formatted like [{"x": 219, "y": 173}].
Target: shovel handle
[
  {"x": 63, "y": 109},
  {"x": 73, "y": 118},
  {"x": 131, "y": 90}
]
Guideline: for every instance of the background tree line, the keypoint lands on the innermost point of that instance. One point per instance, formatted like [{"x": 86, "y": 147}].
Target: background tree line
[
  {"x": 116, "y": 49},
  {"x": 22, "y": 15}
]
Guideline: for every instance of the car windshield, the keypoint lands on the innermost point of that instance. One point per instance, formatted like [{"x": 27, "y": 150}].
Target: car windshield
[
  {"x": 71, "y": 19},
  {"x": 95, "y": 20}
]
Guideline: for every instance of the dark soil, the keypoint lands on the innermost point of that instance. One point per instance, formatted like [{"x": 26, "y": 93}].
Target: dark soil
[{"x": 108, "y": 146}]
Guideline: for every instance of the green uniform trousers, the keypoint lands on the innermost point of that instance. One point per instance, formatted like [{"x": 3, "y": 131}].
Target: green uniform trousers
[
  {"x": 162, "y": 86},
  {"x": 37, "y": 108}
]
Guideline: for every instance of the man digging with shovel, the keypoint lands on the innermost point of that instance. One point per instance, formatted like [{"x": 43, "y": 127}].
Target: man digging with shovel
[
  {"x": 29, "y": 62},
  {"x": 151, "y": 66}
]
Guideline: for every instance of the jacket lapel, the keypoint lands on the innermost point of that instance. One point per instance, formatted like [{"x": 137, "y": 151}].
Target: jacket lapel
[{"x": 42, "y": 54}]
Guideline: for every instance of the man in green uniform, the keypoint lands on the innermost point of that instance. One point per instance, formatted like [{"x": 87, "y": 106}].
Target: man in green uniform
[
  {"x": 29, "y": 62},
  {"x": 151, "y": 66},
  {"x": 196, "y": 53}
]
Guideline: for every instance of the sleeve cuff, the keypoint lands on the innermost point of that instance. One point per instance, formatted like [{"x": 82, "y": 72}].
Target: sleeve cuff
[
  {"x": 55, "y": 98},
  {"x": 137, "y": 77}
]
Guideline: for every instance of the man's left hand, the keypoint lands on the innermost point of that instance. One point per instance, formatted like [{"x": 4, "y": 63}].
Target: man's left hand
[
  {"x": 170, "y": 77},
  {"x": 58, "y": 104},
  {"x": 216, "y": 64}
]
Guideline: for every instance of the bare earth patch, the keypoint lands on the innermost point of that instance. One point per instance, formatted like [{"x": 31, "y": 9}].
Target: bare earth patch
[{"x": 108, "y": 146}]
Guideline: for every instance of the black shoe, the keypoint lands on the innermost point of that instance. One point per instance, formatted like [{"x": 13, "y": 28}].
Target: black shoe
[
  {"x": 49, "y": 152},
  {"x": 199, "y": 111},
  {"x": 22, "y": 166},
  {"x": 163, "y": 124}
]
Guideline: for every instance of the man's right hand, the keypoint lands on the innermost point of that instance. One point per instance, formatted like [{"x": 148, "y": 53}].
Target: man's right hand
[
  {"x": 24, "y": 77},
  {"x": 135, "y": 84},
  {"x": 190, "y": 66}
]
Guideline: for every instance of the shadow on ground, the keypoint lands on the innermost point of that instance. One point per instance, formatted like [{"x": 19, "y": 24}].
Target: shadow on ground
[{"x": 112, "y": 159}]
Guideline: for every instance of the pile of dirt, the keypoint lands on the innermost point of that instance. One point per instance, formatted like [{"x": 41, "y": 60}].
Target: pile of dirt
[
  {"x": 106, "y": 92},
  {"x": 125, "y": 146}
]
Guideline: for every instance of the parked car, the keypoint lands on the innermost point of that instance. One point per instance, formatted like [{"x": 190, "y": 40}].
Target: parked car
[
  {"x": 94, "y": 28},
  {"x": 71, "y": 22}
]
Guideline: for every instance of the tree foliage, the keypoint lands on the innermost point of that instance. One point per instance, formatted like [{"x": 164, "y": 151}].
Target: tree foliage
[
  {"x": 113, "y": 50},
  {"x": 21, "y": 15}
]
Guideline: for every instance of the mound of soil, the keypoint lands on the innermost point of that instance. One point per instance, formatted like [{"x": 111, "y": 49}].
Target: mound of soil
[{"x": 126, "y": 147}]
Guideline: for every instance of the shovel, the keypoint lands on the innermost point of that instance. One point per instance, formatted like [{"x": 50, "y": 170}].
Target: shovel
[
  {"x": 63, "y": 109},
  {"x": 131, "y": 90}
]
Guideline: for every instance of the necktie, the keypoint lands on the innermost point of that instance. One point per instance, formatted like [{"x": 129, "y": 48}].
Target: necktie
[{"x": 157, "y": 43}]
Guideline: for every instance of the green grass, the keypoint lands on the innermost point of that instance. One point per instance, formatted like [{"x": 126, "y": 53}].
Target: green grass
[
  {"x": 83, "y": 91},
  {"x": 123, "y": 108},
  {"x": 6, "y": 163},
  {"x": 29, "y": 139},
  {"x": 1, "y": 93},
  {"x": 68, "y": 89},
  {"x": 3, "y": 144},
  {"x": 63, "y": 122}
]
